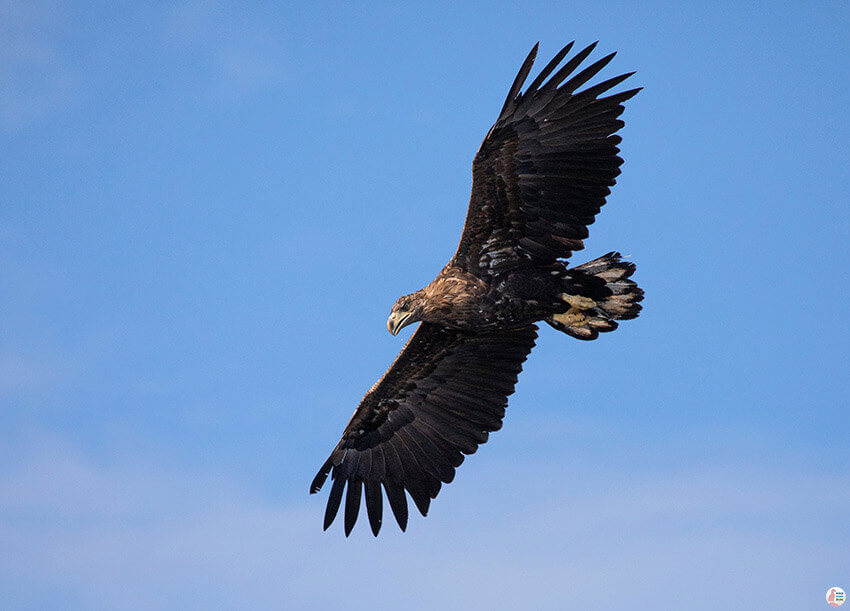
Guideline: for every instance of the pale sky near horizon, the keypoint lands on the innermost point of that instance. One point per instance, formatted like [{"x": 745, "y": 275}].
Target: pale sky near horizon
[{"x": 207, "y": 210}]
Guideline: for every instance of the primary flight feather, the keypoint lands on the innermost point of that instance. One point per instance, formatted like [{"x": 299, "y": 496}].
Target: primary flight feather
[{"x": 539, "y": 179}]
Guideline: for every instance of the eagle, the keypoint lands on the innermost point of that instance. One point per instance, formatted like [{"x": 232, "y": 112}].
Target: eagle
[{"x": 539, "y": 179}]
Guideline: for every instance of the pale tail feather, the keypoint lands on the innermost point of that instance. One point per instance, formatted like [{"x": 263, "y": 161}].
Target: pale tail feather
[{"x": 596, "y": 295}]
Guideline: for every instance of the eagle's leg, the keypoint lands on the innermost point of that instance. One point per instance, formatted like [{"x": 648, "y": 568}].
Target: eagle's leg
[{"x": 574, "y": 317}]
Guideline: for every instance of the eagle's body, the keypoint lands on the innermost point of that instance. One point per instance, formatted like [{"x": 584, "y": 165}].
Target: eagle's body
[
  {"x": 539, "y": 179},
  {"x": 511, "y": 299}
]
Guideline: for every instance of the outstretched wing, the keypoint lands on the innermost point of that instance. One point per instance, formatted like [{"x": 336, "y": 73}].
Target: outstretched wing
[
  {"x": 544, "y": 169},
  {"x": 439, "y": 400}
]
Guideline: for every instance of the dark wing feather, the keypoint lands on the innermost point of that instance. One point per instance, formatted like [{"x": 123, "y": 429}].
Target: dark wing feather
[
  {"x": 443, "y": 395},
  {"x": 545, "y": 168}
]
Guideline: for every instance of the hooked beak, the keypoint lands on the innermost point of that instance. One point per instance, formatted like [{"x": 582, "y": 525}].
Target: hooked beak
[{"x": 396, "y": 322}]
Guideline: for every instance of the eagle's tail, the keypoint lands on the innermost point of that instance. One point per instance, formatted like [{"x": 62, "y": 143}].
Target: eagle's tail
[{"x": 595, "y": 296}]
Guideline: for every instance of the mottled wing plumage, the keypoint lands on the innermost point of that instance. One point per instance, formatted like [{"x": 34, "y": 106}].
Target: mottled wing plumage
[
  {"x": 445, "y": 392},
  {"x": 545, "y": 168}
]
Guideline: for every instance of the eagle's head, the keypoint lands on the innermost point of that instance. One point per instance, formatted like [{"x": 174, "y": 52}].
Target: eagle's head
[{"x": 406, "y": 310}]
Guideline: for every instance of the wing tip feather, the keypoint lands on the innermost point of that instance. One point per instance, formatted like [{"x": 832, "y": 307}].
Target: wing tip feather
[
  {"x": 352, "y": 503},
  {"x": 321, "y": 477},
  {"x": 516, "y": 87},
  {"x": 334, "y": 499},
  {"x": 374, "y": 505}
]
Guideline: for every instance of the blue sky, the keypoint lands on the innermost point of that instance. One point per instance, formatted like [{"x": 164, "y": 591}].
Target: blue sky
[{"x": 208, "y": 210}]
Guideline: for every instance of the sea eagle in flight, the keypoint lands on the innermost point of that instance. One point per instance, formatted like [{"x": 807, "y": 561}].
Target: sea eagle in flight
[{"x": 539, "y": 179}]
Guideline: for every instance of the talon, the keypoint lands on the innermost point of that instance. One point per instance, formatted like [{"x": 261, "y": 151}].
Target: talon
[
  {"x": 571, "y": 318},
  {"x": 578, "y": 301}
]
